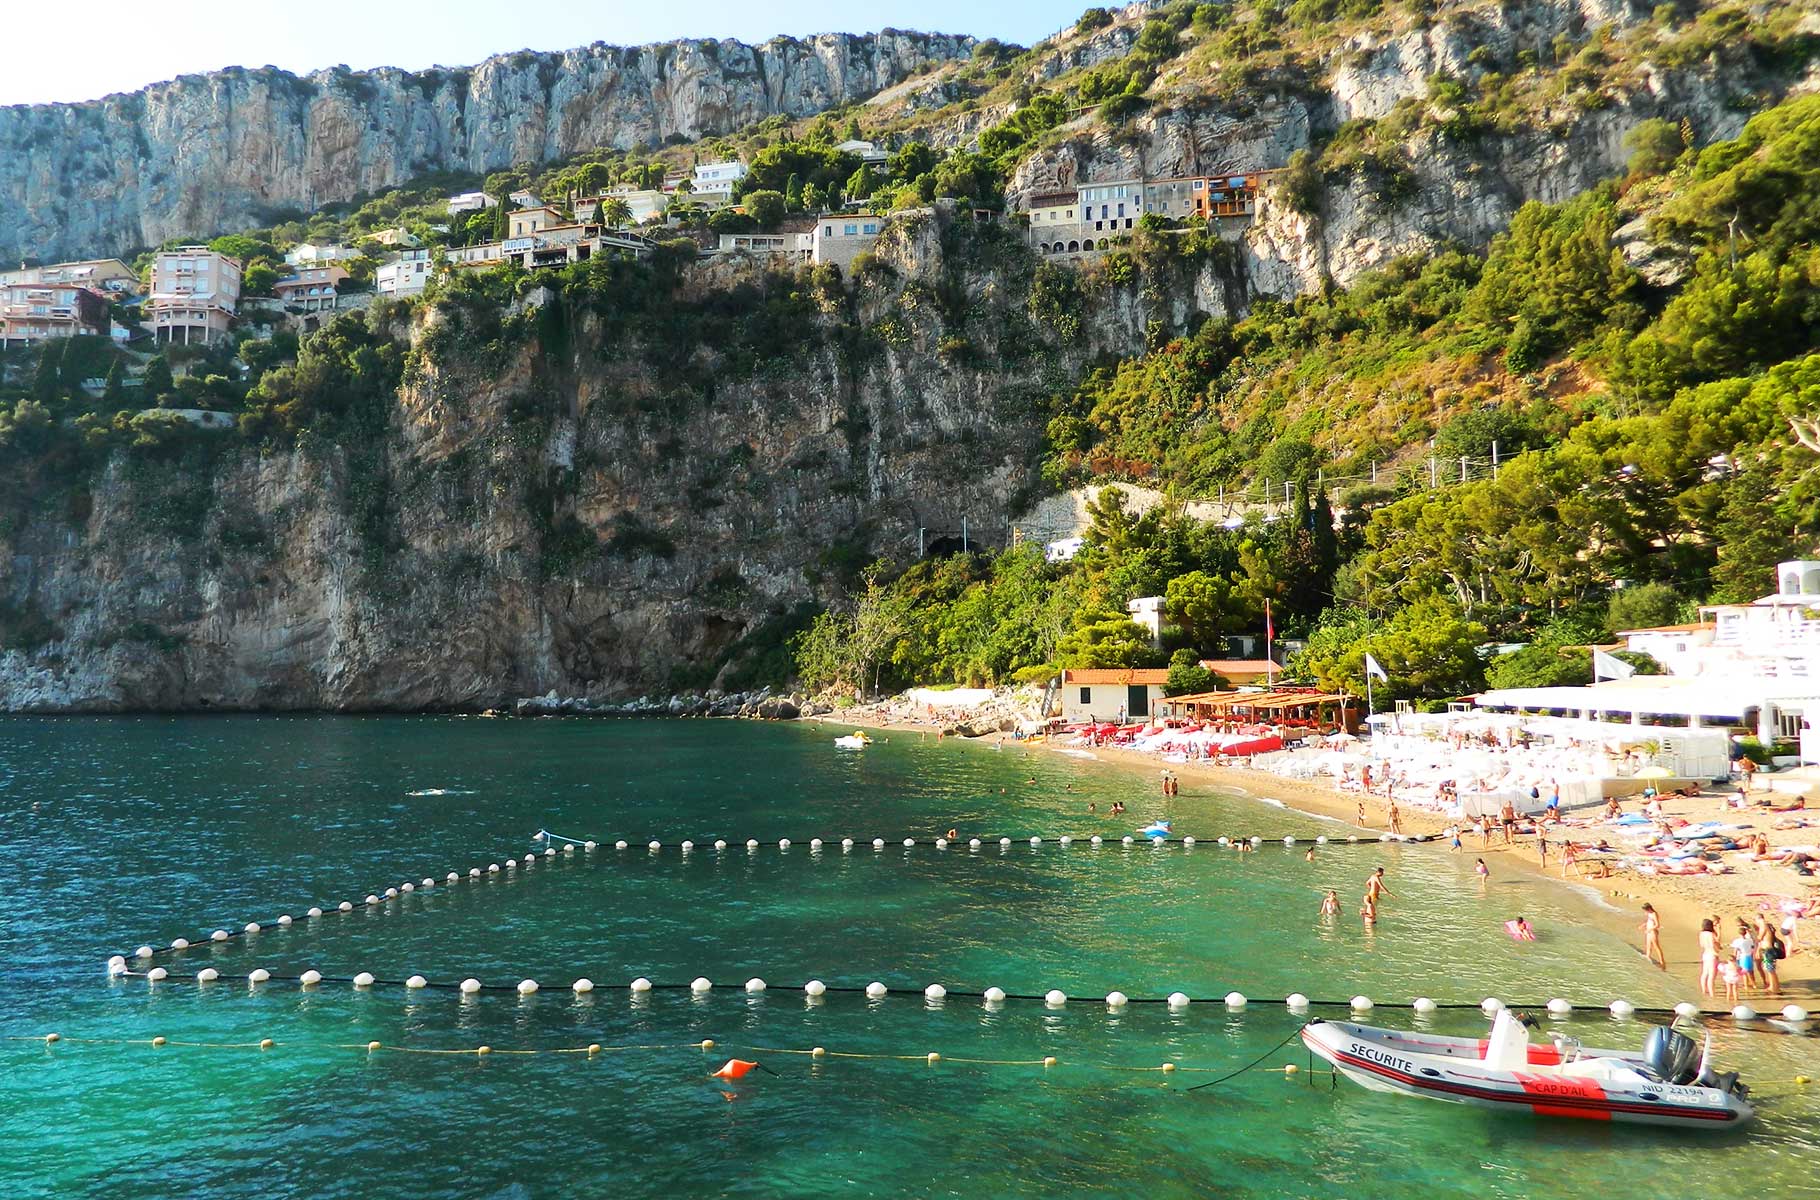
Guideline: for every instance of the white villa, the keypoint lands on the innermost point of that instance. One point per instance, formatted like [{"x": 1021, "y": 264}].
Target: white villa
[{"x": 1753, "y": 665}]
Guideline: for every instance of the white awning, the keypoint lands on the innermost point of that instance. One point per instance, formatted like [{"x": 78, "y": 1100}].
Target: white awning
[{"x": 1667, "y": 695}]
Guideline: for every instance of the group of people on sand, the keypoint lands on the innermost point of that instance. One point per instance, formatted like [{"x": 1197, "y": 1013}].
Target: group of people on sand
[{"x": 1749, "y": 960}]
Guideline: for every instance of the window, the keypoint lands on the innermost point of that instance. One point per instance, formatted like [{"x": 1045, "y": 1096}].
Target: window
[
  {"x": 850, "y": 230},
  {"x": 1086, "y": 695},
  {"x": 1200, "y": 184}
]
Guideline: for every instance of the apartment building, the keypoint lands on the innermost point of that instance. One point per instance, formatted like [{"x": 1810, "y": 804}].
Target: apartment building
[
  {"x": 195, "y": 294},
  {"x": 31, "y": 313},
  {"x": 405, "y": 277}
]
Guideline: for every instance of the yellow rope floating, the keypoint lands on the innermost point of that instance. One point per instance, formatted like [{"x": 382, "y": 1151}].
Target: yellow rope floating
[{"x": 594, "y": 1048}]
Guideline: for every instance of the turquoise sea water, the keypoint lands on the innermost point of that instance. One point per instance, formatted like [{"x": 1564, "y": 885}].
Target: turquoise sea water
[{"x": 120, "y": 832}]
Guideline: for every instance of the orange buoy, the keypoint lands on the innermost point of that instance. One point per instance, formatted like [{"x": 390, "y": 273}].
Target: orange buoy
[{"x": 736, "y": 1068}]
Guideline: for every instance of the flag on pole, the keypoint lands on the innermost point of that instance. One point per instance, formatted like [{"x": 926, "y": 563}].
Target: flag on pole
[
  {"x": 1372, "y": 668},
  {"x": 1610, "y": 666},
  {"x": 1270, "y": 635}
]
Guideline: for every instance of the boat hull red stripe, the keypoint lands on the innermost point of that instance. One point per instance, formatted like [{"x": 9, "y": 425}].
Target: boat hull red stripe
[{"x": 1567, "y": 1106}]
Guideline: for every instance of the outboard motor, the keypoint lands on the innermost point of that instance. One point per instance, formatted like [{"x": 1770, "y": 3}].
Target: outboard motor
[{"x": 1672, "y": 1057}]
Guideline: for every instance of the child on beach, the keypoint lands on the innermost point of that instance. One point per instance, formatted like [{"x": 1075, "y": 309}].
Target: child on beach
[
  {"x": 1652, "y": 937},
  {"x": 1729, "y": 974},
  {"x": 1744, "y": 950},
  {"x": 1483, "y": 872}
]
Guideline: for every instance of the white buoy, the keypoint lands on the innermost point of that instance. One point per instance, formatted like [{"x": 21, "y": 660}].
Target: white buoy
[
  {"x": 416, "y": 982},
  {"x": 346, "y": 906},
  {"x": 1235, "y": 1000},
  {"x": 1256, "y": 840},
  {"x": 1560, "y": 1007},
  {"x": 1178, "y": 1000},
  {"x": 1095, "y": 840},
  {"x": 846, "y": 843},
  {"x": 1744, "y": 1012},
  {"x": 1794, "y": 1012},
  {"x": 1361, "y": 1004},
  {"x": 755, "y": 985},
  {"x": 589, "y": 845},
  {"x": 1289, "y": 841},
  {"x": 876, "y": 989},
  {"x": 909, "y": 841},
  {"x": 941, "y": 843},
  {"x": 815, "y": 843},
  {"x": 527, "y": 987},
  {"x": 180, "y": 943},
  {"x": 314, "y": 912},
  {"x": 973, "y": 843},
  {"x": 1004, "y": 841},
  {"x": 751, "y": 843},
  {"x": 116, "y": 965},
  {"x": 936, "y": 991},
  {"x": 1126, "y": 840},
  {"x": 207, "y": 975},
  {"x": 549, "y": 852},
  {"x": 1055, "y": 998},
  {"x": 1383, "y": 837},
  {"x": 701, "y": 984},
  {"x": 1687, "y": 1009},
  {"x": 391, "y": 893},
  {"x": 1036, "y": 841},
  {"x": 473, "y": 872},
  {"x": 284, "y": 919},
  {"x": 372, "y": 900},
  {"x": 1225, "y": 841},
  {"x": 687, "y": 846},
  {"x": 815, "y": 987},
  {"x": 582, "y": 986},
  {"x": 452, "y": 877},
  {"x": 1422, "y": 1005},
  {"x": 995, "y": 995},
  {"x": 143, "y": 952},
  {"x": 258, "y": 975},
  {"x": 1187, "y": 841},
  {"x": 364, "y": 979},
  {"x": 641, "y": 984},
  {"x": 220, "y": 935},
  {"x": 1116, "y": 999},
  {"x": 654, "y": 845},
  {"x": 493, "y": 868},
  {"x": 783, "y": 843},
  {"x": 1065, "y": 840},
  {"x": 1622, "y": 1008},
  {"x": 1490, "y": 1006},
  {"x": 156, "y": 973},
  {"x": 619, "y": 845},
  {"x": 470, "y": 986},
  {"x": 310, "y": 978},
  {"x": 427, "y": 882},
  {"x": 568, "y": 847},
  {"x": 1321, "y": 840},
  {"x": 1296, "y": 1002},
  {"x": 251, "y": 927}
]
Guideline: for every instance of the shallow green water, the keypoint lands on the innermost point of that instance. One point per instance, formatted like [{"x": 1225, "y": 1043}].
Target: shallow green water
[{"x": 121, "y": 832}]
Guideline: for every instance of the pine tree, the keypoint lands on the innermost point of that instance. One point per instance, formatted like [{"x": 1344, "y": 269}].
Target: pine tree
[
  {"x": 157, "y": 380},
  {"x": 44, "y": 384},
  {"x": 113, "y": 396}
]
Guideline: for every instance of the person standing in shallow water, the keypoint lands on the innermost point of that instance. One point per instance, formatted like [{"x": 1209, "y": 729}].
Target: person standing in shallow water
[{"x": 1652, "y": 937}]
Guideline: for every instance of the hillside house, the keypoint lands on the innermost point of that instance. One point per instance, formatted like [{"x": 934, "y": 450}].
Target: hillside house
[
  {"x": 524, "y": 199},
  {"x": 1111, "y": 694},
  {"x": 712, "y": 183},
  {"x": 393, "y": 238},
  {"x": 103, "y": 274},
  {"x": 195, "y": 294},
  {"x": 645, "y": 204},
  {"x": 31, "y": 313},
  {"x": 525, "y": 222},
  {"x": 841, "y": 238},
  {"x": 312, "y": 289},
  {"x": 406, "y": 276},
  {"x": 468, "y": 202},
  {"x": 310, "y": 253}
]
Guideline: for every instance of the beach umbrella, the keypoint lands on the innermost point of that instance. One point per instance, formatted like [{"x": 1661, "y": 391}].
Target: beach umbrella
[{"x": 1655, "y": 773}]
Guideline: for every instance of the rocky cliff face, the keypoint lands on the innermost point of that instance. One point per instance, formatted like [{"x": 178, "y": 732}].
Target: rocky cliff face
[
  {"x": 580, "y": 498},
  {"x": 204, "y": 154},
  {"x": 1458, "y": 190}
]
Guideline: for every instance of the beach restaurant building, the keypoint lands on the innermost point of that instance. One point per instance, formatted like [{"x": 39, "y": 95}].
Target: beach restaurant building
[{"x": 1106, "y": 694}]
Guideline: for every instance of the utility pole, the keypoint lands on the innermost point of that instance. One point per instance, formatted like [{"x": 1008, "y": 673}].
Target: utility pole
[
  {"x": 919, "y": 541},
  {"x": 1433, "y": 482},
  {"x": 964, "y": 535},
  {"x": 1462, "y": 468},
  {"x": 1494, "y": 459}
]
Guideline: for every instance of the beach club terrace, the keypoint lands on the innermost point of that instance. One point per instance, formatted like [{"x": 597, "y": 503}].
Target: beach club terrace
[{"x": 1288, "y": 708}]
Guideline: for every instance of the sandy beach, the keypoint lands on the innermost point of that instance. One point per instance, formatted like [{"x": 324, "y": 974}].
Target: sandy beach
[{"x": 1681, "y": 901}]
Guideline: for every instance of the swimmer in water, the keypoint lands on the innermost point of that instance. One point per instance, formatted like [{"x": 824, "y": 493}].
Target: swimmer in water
[
  {"x": 1483, "y": 872},
  {"x": 1330, "y": 904},
  {"x": 1309, "y": 857}
]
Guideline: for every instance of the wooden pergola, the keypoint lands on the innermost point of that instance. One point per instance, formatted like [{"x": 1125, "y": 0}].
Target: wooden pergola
[{"x": 1276, "y": 705}]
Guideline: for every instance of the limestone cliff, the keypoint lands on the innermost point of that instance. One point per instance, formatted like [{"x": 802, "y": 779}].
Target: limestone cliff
[
  {"x": 202, "y": 154},
  {"x": 596, "y": 490}
]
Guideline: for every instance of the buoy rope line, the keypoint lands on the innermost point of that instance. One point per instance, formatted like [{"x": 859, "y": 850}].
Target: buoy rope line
[
  {"x": 1741, "y": 1017},
  {"x": 513, "y": 866},
  {"x": 707, "y": 1045}
]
